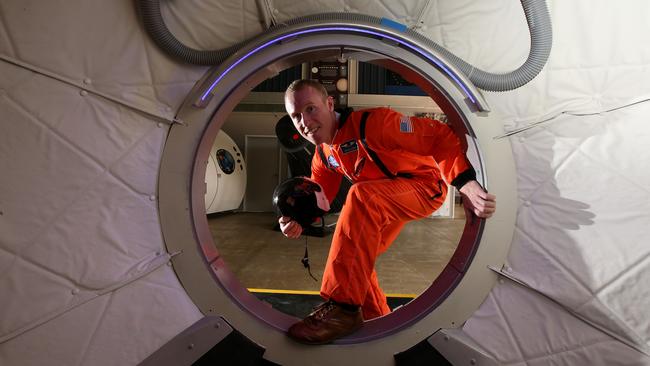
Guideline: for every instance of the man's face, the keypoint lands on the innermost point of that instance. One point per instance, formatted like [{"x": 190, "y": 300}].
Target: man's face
[{"x": 312, "y": 115}]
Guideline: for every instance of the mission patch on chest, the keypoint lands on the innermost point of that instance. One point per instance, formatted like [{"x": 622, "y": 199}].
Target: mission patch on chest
[{"x": 349, "y": 146}]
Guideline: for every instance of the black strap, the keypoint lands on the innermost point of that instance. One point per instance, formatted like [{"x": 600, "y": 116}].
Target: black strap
[
  {"x": 373, "y": 155},
  {"x": 321, "y": 153},
  {"x": 305, "y": 261},
  {"x": 344, "y": 114},
  {"x": 439, "y": 190}
]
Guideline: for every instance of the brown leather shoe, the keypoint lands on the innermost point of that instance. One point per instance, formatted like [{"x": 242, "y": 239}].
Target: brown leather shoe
[{"x": 328, "y": 321}]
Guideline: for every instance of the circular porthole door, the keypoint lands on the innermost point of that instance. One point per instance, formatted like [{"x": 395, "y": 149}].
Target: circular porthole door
[{"x": 451, "y": 298}]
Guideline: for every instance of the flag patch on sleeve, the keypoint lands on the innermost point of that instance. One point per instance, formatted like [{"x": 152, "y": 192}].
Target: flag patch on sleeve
[{"x": 405, "y": 125}]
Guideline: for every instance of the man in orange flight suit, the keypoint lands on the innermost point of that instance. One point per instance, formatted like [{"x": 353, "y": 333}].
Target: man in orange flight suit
[{"x": 399, "y": 167}]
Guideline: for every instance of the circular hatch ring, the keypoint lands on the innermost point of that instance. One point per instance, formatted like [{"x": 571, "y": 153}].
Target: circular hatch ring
[{"x": 452, "y": 297}]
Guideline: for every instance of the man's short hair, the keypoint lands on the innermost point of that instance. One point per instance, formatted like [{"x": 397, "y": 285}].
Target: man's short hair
[{"x": 300, "y": 84}]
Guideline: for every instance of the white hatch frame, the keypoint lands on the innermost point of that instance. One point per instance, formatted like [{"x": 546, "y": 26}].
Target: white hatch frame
[{"x": 452, "y": 297}]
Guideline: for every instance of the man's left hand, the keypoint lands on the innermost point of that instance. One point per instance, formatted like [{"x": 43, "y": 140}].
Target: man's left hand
[{"x": 477, "y": 200}]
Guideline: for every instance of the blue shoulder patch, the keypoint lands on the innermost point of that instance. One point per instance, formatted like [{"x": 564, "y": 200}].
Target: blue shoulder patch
[{"x": 332, "y": 161}]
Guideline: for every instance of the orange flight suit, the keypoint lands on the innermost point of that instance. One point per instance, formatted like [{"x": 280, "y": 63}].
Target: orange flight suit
[{"x": 397, "y": 165}]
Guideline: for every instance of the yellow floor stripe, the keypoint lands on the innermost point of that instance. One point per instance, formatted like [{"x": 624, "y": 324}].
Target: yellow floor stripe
[
  {"x": 300, "y": 292},
  {"x": 290, "y": 292}
]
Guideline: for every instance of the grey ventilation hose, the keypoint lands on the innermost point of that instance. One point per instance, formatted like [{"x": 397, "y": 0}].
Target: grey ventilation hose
[
  {"x": 155, "y": 26},
  {"x": 541, "y": 39},
  {"x": 536, "y": 12}
]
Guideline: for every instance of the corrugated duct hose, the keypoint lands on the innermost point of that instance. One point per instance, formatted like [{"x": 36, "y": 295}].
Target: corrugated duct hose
[{"x": 537, "y": 17}]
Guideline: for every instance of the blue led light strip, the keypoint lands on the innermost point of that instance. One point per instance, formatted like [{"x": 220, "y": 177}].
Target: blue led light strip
[{"x": 326, "y": 29}]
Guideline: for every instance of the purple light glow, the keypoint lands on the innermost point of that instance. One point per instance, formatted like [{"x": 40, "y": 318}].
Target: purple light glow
[{"x": 325, "y": 29}]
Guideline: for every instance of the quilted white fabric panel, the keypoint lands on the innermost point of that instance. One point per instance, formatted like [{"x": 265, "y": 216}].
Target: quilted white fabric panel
[
  {"x": 599, "y": 58},
  {"x": 210, "y": 25},
  {"x": 79, "y": 216},
  {"x": 120, "y": 328},
  {"x": 584, "y": 208},
  {"x": 406, "y": 12},
  {"x": 101, "y": 44},
  {"x": 520, "y": 327},
  {"x": 491, "y": 35},
  {"x": 80, "y": 238},
  {"x": 577, "y": 226}
]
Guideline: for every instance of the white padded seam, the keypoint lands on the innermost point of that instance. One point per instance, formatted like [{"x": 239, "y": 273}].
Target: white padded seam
[
  {"x": 622, "y": 274},
  {"x": 553, "y": 170},
  {"x": 572, "y": 350},
  {"x": 146, "y": 48},
  {"x": 614, "y": 172},
  {"x": 144, "y": 268},
  {"x": 101, "y": 169},
  {"x": 89, "y": 340},
  {"x": 87, "y": 88},
  {"x": 12, "y": 46},
  {"x": 513, "y": 339},
  {"x": 550, "y": 255}
]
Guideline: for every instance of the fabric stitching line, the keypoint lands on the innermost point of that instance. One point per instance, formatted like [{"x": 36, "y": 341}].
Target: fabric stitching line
[
  {"x": 72, "y": 201},
  {"x": 525, "y": 361},
  {"x": 622, "y": 274},
  {"x": 82, "y": 359},
  {"x": 149, "y": 282},
  {"x": 630, "y": 336},
  {"x": 161, "y": 83},
  {"x": 572, "y": 350},
  {"x": 594, "y": 292},
  {"x": 79, "y": 151},
  {"x": 640, "y": 65},
  {"x": 25, "y": 111},
  {"x": 444, "y": 42},
  {"x": 558, "y": 167},
  {"x": 92, "y": 91},
  {"x": 123, "y": 156},
  {"x": 551, "y": 117},
  {"x": 511, "y": 335},
  {"x": 631, "y": 181},
  {"x": 242, "y": 20},
  {"x": 87, "y": 155},
  {"x": 613, "y": 171},
  {"x": 49, "y": 271},
  {"x": 586, "y": 319},
  {"x": 12, "y": 45},
  {"x": 71, "y": 305},
  {"x": 386, "y": 9},
  {"x": 35, "y": 120},
  {"x": 420, "y": 18},
  {"x": 549, "y": 254},
  {"x": 148, "y": 62},
  {"x": 39, "y": 320}
]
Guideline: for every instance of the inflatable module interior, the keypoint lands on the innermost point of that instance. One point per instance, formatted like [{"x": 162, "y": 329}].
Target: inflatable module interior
[{"x": 121, "y": 127}]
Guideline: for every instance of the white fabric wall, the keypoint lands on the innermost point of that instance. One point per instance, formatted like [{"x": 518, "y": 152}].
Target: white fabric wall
[{"x": 83, "y": 274}]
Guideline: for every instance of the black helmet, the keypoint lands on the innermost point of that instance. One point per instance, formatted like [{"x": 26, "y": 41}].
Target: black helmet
[
  {"x": 289, "y": 138},
  {"x": 300, "y": 198}
]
